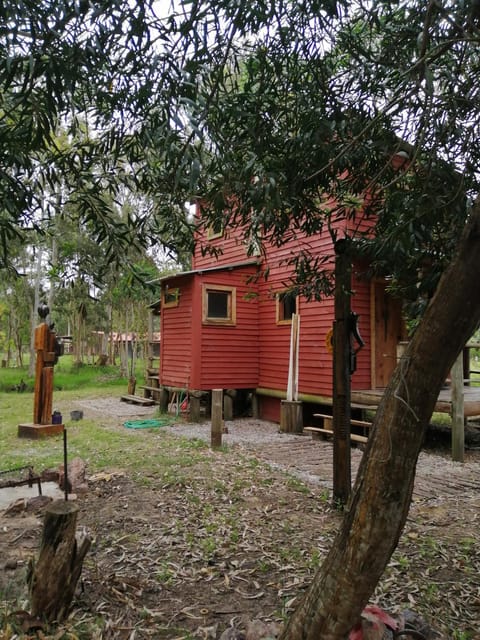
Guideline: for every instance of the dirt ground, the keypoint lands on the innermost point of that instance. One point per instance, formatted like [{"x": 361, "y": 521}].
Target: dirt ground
[{"x": 191, "y": 553}]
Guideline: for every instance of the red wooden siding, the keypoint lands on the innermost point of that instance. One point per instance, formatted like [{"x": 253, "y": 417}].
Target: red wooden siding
[
  {"x": 177, "y": 329},
  {"x": 360, "y": 304},
  {"x": 315, "y": 321},
  {"x": 232, "y": 245},
  {"x": 229, "y": 354},
  {"x": 202, "y": 356}
]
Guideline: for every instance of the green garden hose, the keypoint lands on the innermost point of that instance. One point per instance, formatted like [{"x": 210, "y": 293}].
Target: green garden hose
[{"x": 146, "y": 424}]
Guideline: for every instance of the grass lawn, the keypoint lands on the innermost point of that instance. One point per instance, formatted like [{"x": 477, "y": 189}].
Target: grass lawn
[{"x": 100, "y": 448}]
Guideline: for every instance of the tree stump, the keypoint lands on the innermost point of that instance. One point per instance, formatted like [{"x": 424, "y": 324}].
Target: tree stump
[{"x": 53, "y": 578}]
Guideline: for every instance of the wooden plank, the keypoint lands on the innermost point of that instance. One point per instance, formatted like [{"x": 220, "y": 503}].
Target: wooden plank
[
  {"x": 361, "y": 423},
  {"x": 145, "y": 402},
  {"x": 30, "y": 430},
  {"x": 329, "y": 432}
]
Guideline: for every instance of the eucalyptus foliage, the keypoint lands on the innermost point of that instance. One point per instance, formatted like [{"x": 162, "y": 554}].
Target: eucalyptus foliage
[{"x": 279, "y": 115}]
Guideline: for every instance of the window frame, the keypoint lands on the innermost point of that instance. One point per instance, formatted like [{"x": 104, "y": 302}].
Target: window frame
[
  {"x": 212, "y": 234},
  {"x": 174, "y": 293},
  {"x": 231, "y": 319},
  {"x": 280, "y": 307}
]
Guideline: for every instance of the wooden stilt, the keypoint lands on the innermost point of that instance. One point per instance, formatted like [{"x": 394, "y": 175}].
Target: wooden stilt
[
  {"x": 291, "y": 417},
  {"x": 217, "y": 418}
]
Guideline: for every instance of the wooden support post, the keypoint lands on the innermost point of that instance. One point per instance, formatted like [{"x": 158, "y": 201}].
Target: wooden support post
[
  {"x": 217, "y": 418},
  {"x": 291, "y": 417},
  {"x": 341, "y": 375},
  {"x": 228, "y": 404},
  {"x": 164, "y": 397},
  {"x": 53, "y": 578},
  {"x": 194, "y": 408},
  {"x": 458, "y": 422},
  {"x": 255, "y": 408}
]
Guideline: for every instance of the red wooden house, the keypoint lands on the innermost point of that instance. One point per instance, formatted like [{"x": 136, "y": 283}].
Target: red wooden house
[{"x": 222, "y": 328}]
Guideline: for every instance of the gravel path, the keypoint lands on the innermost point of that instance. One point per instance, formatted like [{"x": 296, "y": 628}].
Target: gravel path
[{"x": 310, "y": 460}]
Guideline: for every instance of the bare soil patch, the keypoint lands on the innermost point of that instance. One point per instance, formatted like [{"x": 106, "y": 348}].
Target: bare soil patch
[{"x": 237, "y": 535}]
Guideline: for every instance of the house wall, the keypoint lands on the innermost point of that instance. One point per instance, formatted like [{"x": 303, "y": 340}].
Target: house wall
[
  {"x": 230, "y": 354},
  {"x": 315, "y": 321},
  {"x": 202, "y": 356},
  {"x": 316, "y": 318},
  {"x": 254, "y": 353},
  {"x": 176, "y": 349},
  {"x": 233, "y": 248}
]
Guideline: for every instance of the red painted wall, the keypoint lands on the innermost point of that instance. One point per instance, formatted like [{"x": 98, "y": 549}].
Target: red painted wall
[
  {"x": 202, "y": 356},
  {"x": 229, "y": 354},
  {"x": 179, "y": 337},
  {"x": 233, "y": 248}
]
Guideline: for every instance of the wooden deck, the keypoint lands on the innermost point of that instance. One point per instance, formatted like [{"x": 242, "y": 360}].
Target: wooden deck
[{"x": 372, "y": 397}]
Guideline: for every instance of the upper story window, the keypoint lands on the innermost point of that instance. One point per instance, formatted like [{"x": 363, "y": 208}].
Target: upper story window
[
  {"x": 219, "y": 305},
  {"x": 215, "y": 230},
  {"x": 286, "y": 306},
  {"x": 170, "y": 296}
]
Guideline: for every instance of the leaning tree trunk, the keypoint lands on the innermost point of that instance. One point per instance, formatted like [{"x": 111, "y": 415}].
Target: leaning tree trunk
[{"x": 380, "y": 502}]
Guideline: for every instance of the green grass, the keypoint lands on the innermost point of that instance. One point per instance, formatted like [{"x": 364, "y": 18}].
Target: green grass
[
  {"x": 70, "y": 375},
  {"x": 100, "y": 446},
  {"x": 101, "y": 443}
]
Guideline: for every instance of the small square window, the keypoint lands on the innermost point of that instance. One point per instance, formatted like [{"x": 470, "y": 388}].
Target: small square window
[
  {"x": 286, "y": 306},
  {"x": 215, "y": 230},
  {"x": 170, "y": 296},
  {"x": 219, "y": 305}
]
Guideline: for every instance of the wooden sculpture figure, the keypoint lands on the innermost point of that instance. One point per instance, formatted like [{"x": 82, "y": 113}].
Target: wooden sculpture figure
[
  {"x": 45, "y": 341},
  {"x": 47, "y": 348}
]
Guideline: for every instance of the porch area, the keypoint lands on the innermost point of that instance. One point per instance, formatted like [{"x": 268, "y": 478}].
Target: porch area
[{"x": 370, "y": 399}]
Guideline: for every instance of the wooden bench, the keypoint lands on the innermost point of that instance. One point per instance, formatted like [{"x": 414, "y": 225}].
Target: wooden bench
[{"x": 327, "y": 428}]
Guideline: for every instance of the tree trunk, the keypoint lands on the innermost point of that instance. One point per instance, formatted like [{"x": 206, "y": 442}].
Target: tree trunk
[
  {"x": 33, "y": 313},
  {"x": 381, "y": 498},
  {"x": 52, "y": 580},
  {"x": 9, "y": 339}
]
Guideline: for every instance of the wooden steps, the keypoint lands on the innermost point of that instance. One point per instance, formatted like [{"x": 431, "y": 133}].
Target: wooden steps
[
  {"x": 328, "y": 432},
  {"x": 151, "y": 388},
  {"x": 144, "y": 402},
  {"x": 327, "y": 429}
]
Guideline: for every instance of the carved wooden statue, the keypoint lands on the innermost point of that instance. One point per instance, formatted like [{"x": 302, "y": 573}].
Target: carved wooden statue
[
  {"x": 47, "y": 348},
  {"x": 47, "y": 356}
]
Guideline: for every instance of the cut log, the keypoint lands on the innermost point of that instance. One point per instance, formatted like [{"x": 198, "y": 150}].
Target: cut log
[{"x": 53, "y": 578}]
